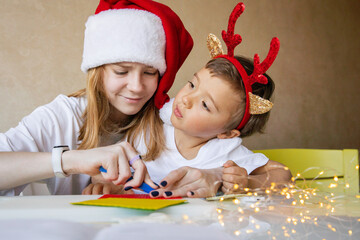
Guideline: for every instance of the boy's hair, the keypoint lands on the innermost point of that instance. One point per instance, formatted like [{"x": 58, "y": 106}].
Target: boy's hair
[
  {"x": 221, "y": 67},
  {"x": 97, "y": 122}
]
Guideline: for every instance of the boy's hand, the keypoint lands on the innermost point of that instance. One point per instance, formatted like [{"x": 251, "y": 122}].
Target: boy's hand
[{"x": 234, "y": 178}]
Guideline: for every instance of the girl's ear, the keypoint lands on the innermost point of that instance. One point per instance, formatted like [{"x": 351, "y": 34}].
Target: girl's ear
[{"x": 229, "y": 134}]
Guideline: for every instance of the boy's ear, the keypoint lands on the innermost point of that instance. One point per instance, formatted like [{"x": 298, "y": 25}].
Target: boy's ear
[{"x": 229, "y": 134}]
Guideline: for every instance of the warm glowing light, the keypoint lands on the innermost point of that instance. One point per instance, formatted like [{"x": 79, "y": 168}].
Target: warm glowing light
[
  {"x": 220, "y": 217},
  {"x": 249, "y": 231},
  {"x": 257, "y": 226},
  {"x": 221, "y": 199},
  {"x": 336, "y": 179},
  {"x": 249, "y": 193},
  {"x": 321, "y": 173},
  {"x": 293, "y": 203},
  {"x": 321, "y": 204},
  {"x": 241, "y": 219},
  {"x": 302, "y": 220},
  {"x": 267, "y": 191},
  {"x": 357, "y": 196},
  {"x": 256, "y": 209},
  {"x": 302, "y": 201},
  {"x": 185, "y": 217},
  {"x": 283, "y": 227},
  {"x": 350, "y": 232},
  {"x": 288, "y": 220},
  {"x": 357, "y": 167},
  {"x": 293, "y": 231},
  {"x": 286, "y": 168},
  {"x": 333, "y": 185},
  {"x": 271, "y": 208},
  {"x": 347, "y": 185},
  {"x": 298, "y": 175},
  {"x": 292, "y": 179},
  {"x": 246, "y": 189},
  {"x": 237, "y": 233},
  {"x": 236, "y": 186},
  {"x": 241, "y": 210},
  {"x": 219, "y": 210},
  {"x": 236, "y": 201}
]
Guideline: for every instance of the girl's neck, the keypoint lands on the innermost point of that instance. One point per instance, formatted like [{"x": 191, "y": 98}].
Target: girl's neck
[
  {"x": 118, "y": 117},
  {"x": 188, "y": 146}
]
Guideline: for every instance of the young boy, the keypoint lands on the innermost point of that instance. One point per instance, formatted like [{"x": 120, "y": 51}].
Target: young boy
[{"x": 200, "y": 126}]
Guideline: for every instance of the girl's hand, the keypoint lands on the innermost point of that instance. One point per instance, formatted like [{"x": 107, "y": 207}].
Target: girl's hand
[
  {"x": 234, "y": 178},
  {"x": 114, "y": 158},
  {"x": 190, "y": 182},
  {"x": 103, "y": 188}
]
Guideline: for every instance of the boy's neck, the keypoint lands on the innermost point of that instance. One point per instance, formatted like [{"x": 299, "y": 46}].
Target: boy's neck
[{"x": 188, "y": 146}]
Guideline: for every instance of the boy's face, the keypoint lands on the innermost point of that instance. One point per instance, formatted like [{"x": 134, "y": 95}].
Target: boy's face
[{"x": 204, "y": 106}]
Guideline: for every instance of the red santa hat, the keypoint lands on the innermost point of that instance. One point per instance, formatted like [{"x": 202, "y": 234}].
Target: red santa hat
[{"x": 141, "y": 31}]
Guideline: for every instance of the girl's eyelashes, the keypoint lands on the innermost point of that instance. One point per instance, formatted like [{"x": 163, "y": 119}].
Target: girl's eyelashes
[
  {"x": 191, "y": 84},
  {"x": 151, "y": 73},
  {"x": 120, "y": 72}
]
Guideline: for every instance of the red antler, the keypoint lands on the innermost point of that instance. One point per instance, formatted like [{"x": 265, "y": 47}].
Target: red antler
[
  {"x": 229, "y": 38},
  {"x": 260, "y": 69}
]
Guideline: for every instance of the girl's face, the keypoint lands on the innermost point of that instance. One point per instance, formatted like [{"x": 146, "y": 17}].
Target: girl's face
[
  {"x": 129, "y": 86},
  {"x": 204, "y": 106}
]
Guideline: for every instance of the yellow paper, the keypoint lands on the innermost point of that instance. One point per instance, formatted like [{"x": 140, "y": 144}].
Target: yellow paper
[{"x": 137, "y": 203}]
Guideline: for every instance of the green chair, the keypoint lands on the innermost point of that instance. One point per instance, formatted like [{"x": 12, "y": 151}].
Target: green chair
[{"x": 334, "y": 171}]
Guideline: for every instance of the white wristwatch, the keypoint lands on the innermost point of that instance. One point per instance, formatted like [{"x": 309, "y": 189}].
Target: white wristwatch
[{"x": 56, "y": 160}]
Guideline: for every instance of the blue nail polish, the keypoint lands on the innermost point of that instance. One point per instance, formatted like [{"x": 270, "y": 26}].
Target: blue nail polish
[
  {"x": 128, "y": 188},
  {"x": 168, "y": 193},
  {"x": 163, "y": 183},
  {"x": 156, "y": 184},
  {"x": 192, "y": 193},
  {"x": 154, "y": 193}
]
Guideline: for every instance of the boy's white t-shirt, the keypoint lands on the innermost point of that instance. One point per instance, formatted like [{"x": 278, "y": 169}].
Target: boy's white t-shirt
[
  {"x": 212, "y": 155},
  {"x": 56, "y": 123}
]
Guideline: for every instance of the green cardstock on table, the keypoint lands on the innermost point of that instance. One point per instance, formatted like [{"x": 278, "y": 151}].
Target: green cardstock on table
[{"x": 135, "y": 203}]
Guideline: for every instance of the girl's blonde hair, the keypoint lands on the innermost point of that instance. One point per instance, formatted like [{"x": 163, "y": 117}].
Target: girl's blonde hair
[{"x": 146, "y": 122}]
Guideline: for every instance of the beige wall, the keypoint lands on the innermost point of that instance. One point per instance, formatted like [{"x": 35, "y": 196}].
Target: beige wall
[{"x": 317, "y": 101}]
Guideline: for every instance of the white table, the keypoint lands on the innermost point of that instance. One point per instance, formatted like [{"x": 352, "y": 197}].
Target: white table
[{"x": 53, "y": 217}]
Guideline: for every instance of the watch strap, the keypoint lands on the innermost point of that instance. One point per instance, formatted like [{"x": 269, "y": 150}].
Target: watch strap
[{"x": 56, "y": 160}]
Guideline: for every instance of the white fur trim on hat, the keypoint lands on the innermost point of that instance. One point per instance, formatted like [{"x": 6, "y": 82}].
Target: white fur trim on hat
[{"x": 124, "y": 35}]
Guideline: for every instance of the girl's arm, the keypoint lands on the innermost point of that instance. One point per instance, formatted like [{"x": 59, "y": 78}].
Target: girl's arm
[{"x": 16, "y": 169}]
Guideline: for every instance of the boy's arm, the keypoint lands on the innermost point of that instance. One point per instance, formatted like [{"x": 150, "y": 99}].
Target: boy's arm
[{"x": 262, "y": 177}]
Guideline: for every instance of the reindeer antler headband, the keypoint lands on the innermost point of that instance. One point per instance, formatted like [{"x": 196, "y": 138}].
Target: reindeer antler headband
[{"x": 254, "y": 103}]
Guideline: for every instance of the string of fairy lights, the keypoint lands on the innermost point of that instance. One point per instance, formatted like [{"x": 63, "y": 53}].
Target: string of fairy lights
[{"x": 293, "y": 209}]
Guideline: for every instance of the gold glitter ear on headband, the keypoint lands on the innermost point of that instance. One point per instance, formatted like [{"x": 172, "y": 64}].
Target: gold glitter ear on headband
[
  {"x": 214, "y": 46},
  {"x": 259, "y": 105}
]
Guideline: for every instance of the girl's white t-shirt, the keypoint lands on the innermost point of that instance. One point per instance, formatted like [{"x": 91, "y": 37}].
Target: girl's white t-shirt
[{"x": 56, "y": 123}]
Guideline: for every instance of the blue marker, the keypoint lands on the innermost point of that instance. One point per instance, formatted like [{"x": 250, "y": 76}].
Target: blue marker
[{"x": 145, "y": 187}]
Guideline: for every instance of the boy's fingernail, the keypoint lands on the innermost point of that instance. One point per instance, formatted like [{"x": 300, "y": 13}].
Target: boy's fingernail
[
  {"x": 168, "y": 193},
  {"x": 128, "y": 188},
  {"x": 156, "y": 184},
  {"x": 163, "y": 183},
  {"x": 192, "y": 193},
  {"x": 154, "y": 193}
]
